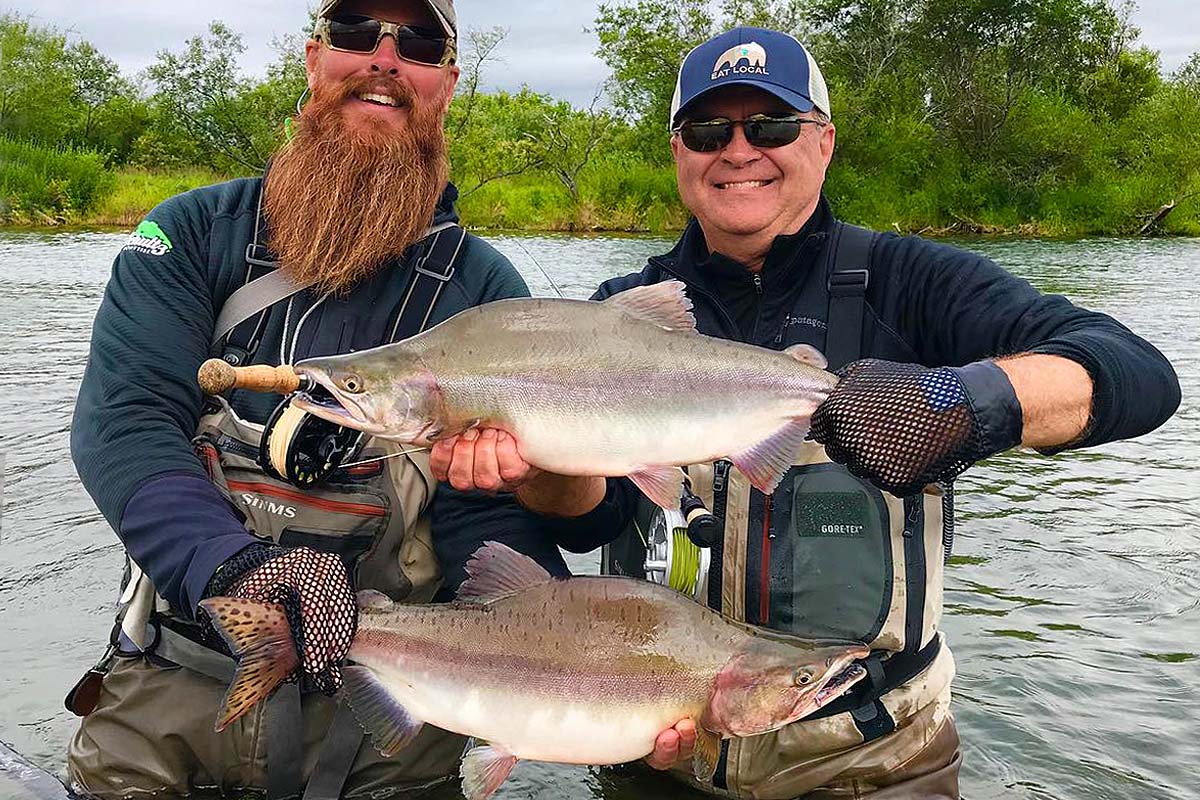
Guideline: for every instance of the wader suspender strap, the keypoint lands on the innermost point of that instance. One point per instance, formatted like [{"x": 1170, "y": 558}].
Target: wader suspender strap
[
  {"x": 265, "y": 286},
  {"x": 432, "y": 271},
  {"x": 848, "y": 259}
]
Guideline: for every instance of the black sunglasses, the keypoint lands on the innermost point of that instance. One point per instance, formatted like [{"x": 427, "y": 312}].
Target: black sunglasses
[
  {"x": 762, "y": 130},
  {"x": 359, "y": 34}
]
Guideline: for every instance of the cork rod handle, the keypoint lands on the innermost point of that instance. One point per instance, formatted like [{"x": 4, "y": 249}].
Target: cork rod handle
[{"x": 217, "y": 377}]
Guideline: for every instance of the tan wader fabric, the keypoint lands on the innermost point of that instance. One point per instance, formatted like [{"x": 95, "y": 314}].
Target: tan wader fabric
[
  {"x": 827, "y": 758},
  {"x": 152, "y": 733},
  {"x": 153, "y": 728},
  {"x": 920, "y": 760}
]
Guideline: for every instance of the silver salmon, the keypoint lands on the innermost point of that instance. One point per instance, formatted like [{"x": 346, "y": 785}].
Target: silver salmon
[
  {"x": 622, "y": 387},
  {"x": 582, "y": 670}
]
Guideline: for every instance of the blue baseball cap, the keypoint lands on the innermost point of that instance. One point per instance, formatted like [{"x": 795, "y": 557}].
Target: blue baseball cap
[{"x": 766, "y": 59}]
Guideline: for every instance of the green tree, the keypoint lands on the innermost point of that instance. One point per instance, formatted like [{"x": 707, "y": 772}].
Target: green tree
[
  {"x": 202, "y": 105},
  {"x": 644, "y": 43},
  {"x": 34, "y": 79}
]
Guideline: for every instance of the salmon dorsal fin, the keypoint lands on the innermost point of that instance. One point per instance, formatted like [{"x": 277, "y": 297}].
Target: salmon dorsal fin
[
  {"x": 807, "y": 354},
  {"x": 371, "y": 600},
  {"x": 496, "y": 571},
  {"x": 665, "y": 304}
]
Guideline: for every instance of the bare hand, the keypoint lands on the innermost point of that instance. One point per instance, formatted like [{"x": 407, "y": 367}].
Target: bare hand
[
  {"x": 673, "y": 745},
  {"x": 481, "y": 459}
]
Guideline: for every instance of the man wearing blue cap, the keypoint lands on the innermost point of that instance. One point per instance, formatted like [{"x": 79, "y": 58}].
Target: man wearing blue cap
[{"x": 945, "y": 359}]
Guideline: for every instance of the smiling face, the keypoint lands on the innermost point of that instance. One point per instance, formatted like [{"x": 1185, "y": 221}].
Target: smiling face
[
  {"x": 745, "y": 196},
  {"x": 377, "y": 102}
]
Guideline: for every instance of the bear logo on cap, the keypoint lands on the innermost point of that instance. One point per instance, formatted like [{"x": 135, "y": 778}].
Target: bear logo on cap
[{"x": 728, "y": 62}]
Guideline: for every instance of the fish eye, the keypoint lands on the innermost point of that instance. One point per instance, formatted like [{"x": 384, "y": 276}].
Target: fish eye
[
  {"x": 352, "y": 384},
  {"x": 802, "y": 677}
]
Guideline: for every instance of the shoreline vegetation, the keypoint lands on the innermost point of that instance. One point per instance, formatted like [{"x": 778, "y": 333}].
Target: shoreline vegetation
[{"x": 955, "y": 118}]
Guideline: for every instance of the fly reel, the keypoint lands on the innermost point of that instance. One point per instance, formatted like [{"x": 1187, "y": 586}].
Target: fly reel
[
  {"x": 302, "y": 449},
  {"x": 673, "y": 559}
]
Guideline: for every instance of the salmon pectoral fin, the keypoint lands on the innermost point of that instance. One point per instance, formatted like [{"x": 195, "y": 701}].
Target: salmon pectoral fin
[
  {"x": 766, "y": 462},
  {"x": 483, "y": 770},
  {"x": 390, "y": 724},
  {"x": 706, "y": 755},
  {"x": 260, "y": 638},
  {"x": 662, "y": 485},
  {"x": 665, "y": 304},
  {"x": 496, "y": 570}
]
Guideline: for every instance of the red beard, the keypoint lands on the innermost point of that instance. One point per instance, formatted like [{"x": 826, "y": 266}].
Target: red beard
[{"x": 342, "y": 201}]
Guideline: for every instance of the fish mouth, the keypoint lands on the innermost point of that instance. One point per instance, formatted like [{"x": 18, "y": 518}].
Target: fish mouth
[
  {"x": 838, "y": 681},
  {"x": 324, "y": 401},
  {"x": 838, "y": 684}
]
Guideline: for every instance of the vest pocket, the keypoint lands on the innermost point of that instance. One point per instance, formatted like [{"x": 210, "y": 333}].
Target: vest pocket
[{"x": 832, "y": 565}]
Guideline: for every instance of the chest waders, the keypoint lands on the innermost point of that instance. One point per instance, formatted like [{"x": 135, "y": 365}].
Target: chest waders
[
  {"x": 826, "y": 556},
  {"x": 371, "y": 515}
]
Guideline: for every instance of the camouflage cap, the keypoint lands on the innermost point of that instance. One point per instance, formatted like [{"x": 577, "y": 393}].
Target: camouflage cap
[{"x": 442, "y": 10}]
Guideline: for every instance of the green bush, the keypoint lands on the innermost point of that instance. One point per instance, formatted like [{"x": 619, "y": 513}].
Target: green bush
[{"x": 49, "y": 185}]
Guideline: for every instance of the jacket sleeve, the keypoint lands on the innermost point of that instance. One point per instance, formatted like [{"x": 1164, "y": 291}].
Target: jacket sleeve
[
  {"x": 956, "y": 307},
  {"x": 139, "y": 405}
]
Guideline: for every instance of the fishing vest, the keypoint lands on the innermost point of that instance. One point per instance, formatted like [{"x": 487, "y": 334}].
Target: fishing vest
[
  {"x": 370, "y": 513},
  {"x": 828, "y": 555}
]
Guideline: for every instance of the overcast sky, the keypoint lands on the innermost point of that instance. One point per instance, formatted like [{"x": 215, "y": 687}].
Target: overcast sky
[{"x": 547, "y": 47}]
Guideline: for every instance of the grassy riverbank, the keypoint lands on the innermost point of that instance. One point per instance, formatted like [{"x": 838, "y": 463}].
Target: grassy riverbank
[{"x": 72, "y": 188}]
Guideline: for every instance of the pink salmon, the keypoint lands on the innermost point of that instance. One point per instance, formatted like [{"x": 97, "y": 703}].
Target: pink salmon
[
  {"x": 583, "y": 670},
  {"x": 622, "y": 387}
]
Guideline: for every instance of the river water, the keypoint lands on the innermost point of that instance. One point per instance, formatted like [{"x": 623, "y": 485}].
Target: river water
[{"x": 1073, "y": 600}]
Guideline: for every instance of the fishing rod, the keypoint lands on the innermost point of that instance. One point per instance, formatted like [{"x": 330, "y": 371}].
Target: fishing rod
[{"x": 538, "y": 264}]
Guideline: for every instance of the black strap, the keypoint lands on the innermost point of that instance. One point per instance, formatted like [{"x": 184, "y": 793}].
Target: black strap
[
  {"x": 285, "y": 743},
  {"x": 716, "y": 560},
  {"x": 338, "y": 751},
  {"x": 431, "y": 272},
  {"x": 873, "y": 721},
  {"x": 242, "y": 343},
  {"x": 848, "y": 259},
  {"x": 883, "y": 675},
  {"x": 914, "y": 571}
]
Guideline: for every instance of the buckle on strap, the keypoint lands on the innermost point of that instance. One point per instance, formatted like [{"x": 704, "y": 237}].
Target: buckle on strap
[
  {"x": 849, "y": 282},
  {"x": 441, "y": 276},
  {"x": 259, "y": 256}
]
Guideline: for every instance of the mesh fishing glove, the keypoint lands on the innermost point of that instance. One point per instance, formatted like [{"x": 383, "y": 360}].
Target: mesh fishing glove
[
  {"x": 316, "y": 595},
  {"x": 904, "y": 426}
]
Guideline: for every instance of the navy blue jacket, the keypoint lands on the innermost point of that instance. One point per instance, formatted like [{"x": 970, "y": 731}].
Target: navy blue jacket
[
  {"x": 139, "y": 403},
  {"x": 927, "y": 303}
]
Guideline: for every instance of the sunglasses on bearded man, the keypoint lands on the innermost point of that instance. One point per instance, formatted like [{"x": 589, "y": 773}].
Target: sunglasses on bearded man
[
  {"x": 761, "y": 130},
  {"x": 359, "y": 34}
]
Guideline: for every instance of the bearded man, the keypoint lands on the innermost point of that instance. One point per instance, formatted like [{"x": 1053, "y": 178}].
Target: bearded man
[{"x": 349, "y": 242}]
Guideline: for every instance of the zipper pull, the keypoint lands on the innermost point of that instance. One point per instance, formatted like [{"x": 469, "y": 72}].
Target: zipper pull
[
  {"x": 758, "y": 286},
  {"x": 720, "y": 475},
  {"x": 912, "y": 509}
]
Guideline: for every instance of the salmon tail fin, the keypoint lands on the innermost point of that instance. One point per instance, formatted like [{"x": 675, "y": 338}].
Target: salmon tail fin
[
  {"x": 260, "y": 638},
  {"x": 706, "y": 755}
]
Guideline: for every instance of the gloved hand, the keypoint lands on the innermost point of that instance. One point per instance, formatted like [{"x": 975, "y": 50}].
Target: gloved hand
[
  {"x": 904, "y": 426},
  {"x": 315, "y": 592}
]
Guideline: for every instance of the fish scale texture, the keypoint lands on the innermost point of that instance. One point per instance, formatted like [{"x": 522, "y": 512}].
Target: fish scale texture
[
  {"x": 903, "y": 425},
  {"x": 563, "y": 640}
]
